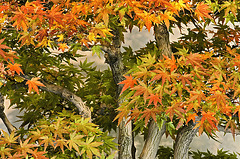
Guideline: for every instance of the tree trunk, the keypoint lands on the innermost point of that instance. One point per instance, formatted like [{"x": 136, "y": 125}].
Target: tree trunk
[
  {"x": 154, "y": 133},
  {"x": 162, "y": 39},
  {"x": 183, "y": 140},
  {"x": 153, "y": 140},
  {"x": 125, "y": 140},
  {"x": 114, "y": 59}
]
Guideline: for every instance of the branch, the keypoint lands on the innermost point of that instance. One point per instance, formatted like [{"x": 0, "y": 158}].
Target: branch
[
  {"x": 3, "y": 116},
  {"x": 70, "y": 96},
  {"x": 228, "y": 130},
  {"x": 65, "y": 93}
]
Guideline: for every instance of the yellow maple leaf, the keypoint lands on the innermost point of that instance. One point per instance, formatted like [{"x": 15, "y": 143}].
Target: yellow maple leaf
[{"x": 60, "y": 37}]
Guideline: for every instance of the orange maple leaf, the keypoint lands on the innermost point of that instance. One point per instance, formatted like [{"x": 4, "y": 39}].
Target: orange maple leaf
[
  {"x": 33, "y": 83},
  {"x": 62, "y": 46},
  {"x": 128, "y": 82},
  {"x": 202, "y": 11},
  {"x": 155, "y": 98},
  {"x": 3, "y": 53},
  {"x": 209, "y": 116},
  {"x": 122, "y": 114},
  {"x": 15, "y": 68},
  {"x": 147, "y": 113},
  {"x": 191, "y": 117}
]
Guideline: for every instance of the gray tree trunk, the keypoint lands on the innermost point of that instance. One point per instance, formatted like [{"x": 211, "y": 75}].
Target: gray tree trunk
[
  {"x": 153, "y": 140},
  {"x": 155, "y": 133},
  {"x": 183, "y": 140},
  {"x": 114, "y": 59}
]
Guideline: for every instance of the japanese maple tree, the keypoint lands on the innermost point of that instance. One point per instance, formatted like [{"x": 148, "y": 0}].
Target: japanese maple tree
[{"x": 177, "y": 88}]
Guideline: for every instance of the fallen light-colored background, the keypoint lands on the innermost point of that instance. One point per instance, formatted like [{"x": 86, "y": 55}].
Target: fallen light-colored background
[{"x": 137, "y": 40}]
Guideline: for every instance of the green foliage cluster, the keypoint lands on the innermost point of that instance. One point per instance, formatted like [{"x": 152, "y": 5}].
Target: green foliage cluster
[{"x": 66, "y": 136}]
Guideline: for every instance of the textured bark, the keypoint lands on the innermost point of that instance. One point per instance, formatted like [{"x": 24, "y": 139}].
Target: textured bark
[
  {"x": 65, "y": 93},
  {"x": 125, "y": 140},
  {"x": 154, "y": 135},
  {"x": 3, "y": 116},
  {"x": 153, "y": 140},
  {"x": 183, "y": 140},
  {"x": 114, "y": 59},
  {"x": 162, "y": 39}
]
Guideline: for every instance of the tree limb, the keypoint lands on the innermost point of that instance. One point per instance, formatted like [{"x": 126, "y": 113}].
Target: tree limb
[
  {"x": 3, "y": 116},
  {"x": 228, "y": 130},
  {"x": 155, "y": 134},
  {"x": 65, "y": 93}
]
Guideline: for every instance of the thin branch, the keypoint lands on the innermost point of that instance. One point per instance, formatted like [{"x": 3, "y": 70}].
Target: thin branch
[{"x": 228, "y": 130}]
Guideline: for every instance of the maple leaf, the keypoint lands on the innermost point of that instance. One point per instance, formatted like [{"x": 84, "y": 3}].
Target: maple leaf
[
  {"x": 194, "y": 60},
  {"x": 25, "y": 147},
  {"x": 141, "y": 89},
  {"x": 230, "y": 6},
  {"x": 202, "y": 10},
  {"x": 164, "y": 75},
  {"x": 166, "y": 17},
  {"x": 89, "y": 147},
  {"x": 128, "y": 82},
  {"x": 134, "y": 114},
  {"x": 61, "y": 36},
  {"x": 155, "y": 98},
  {"x": 191, "y": 116},
  {"x": 186, "y": 79},
  {"x": 142, "y": 73},
  {"x": 38, "y": 154},
  {"x": 16, "y": 156},
  {"x": 3, "y": 53},
  {"x": 237, "y": 110},
  {"x": 33, "y": 84},
  {"x": 219, "y": 97},
  {"x": 61, "y": 143},
  {"x": 5, "y": 152},
  {"x": 123, "y": 113},
  {"x": 75, "y": 141},
  {"x": 177, "y": 109},
  {"x": 171, "y": 63},
  {"x": 62, "y": 46},
  {"x": 55, "y": 15},
  {"x": 232, "y": 125},
  {"x": 9, "y": 139},
  {"x": 15, "y": 67},
  {"x": 21, "y": 19},
  {"x": 211, "y": 122},
  {"x": 46, "y": 141},
  {"x": 199, "y": 95},
  {"x": 85, "y": 126},
  {"x": 147, "y": 113}
]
